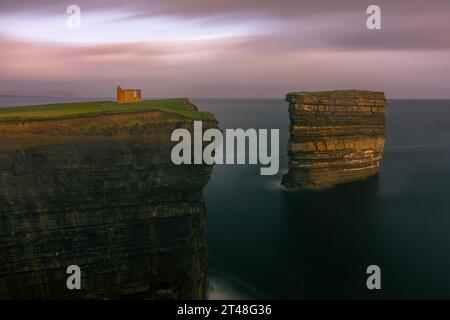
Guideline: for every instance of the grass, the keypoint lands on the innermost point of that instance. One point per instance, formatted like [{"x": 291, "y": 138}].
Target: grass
[
  {"x": 180, "y": 107},
  {"x": 342, "y": 93}
]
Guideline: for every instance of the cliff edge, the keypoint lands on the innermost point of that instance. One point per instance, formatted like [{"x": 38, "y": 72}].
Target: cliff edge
[{"x": 104, "y": 118}]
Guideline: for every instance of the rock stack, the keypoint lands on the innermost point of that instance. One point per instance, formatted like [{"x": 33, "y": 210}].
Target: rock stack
[{"x": 336, "y": 137}]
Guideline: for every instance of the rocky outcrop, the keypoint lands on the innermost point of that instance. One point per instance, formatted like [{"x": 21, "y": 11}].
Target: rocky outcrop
[
  {"x": 336, "y": 137},
  {"x": 116, "y": 206}
]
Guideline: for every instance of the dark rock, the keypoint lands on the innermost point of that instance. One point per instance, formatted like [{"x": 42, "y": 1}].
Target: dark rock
[{"x": 116, "y": 207}]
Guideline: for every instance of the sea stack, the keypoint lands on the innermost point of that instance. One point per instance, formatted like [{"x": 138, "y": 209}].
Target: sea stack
[{"x": 335, "y": 137}]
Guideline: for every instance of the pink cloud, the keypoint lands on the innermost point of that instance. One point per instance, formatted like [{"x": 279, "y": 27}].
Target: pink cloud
[{"x": 300, "y": 45}]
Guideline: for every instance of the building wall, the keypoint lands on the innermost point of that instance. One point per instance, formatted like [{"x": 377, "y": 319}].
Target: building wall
[{"x": 129, "y": 95}]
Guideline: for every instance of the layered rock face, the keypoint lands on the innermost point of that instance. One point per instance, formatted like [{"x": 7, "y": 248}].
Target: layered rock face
[
  {"x": 115, "y": 206},
  {"x": 336, "y": 137},
  {"x": 120, "y": 210}
]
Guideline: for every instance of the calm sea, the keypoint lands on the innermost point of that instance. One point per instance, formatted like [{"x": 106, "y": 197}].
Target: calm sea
[{"x": 264, "y": 242}]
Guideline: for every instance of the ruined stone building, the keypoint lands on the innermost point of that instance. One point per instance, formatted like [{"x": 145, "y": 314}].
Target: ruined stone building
[{"x": 128, "y": 95}]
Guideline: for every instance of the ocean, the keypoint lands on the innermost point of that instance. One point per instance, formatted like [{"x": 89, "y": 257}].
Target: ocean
[
  {"x": 270, "y": 243},
  {"x": 267, "y": 243}
]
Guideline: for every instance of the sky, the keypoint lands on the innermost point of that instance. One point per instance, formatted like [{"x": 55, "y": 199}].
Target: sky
[{"x": 226, "y": 48}]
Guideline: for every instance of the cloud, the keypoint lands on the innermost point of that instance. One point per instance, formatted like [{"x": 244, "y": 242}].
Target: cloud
[
  {"x": 407, "y": 24},
  {"x": 227, "y": 48}
]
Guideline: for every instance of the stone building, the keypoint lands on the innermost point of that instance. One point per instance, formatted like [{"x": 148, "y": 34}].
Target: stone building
[{"x": 128, "y": 95}]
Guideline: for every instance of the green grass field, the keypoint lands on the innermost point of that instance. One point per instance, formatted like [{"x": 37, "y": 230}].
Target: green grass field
[{"x": 89, "y": 109}]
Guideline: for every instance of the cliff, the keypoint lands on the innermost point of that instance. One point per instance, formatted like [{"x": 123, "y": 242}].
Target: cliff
[
  {"x": 335, "y": 137},
  {"x": 112, "y": 203}
]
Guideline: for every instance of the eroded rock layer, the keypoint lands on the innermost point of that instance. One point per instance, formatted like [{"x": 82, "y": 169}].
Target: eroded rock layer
[
  {"x": 118, "y": 208},
  {"x": 336, "y": 137}
]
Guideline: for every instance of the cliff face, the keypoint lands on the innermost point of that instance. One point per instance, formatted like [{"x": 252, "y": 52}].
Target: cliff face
[
  {"x": 120, "y": 210},
  {"x": 336, "y": 137},
  {"x": 115, "y": 206}
]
